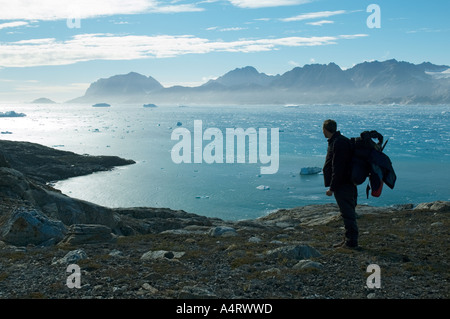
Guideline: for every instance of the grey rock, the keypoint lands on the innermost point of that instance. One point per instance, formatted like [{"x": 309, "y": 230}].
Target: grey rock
[
  {"x": 371, "y": 295},
  {"x": 72, "y": 257},
  {"x": 434, "y": 206},
  {"x": 161, "y": 254},
  {"x": 30, "y": 226},
  {"x": 222, "y": 231},
  {"x": 88, "y": 234},
  {"x": 116, "y": 253},
  {"x": 272, "y": 270},
  {"x": 276, "y": 242},
  {"x": 307, "y": 264},
  {"x": 149, "y": 288},
  {"x": 254, "y": 239},
  {"x": 295, "y": 252},
  {"x": 437, "y": 224}
]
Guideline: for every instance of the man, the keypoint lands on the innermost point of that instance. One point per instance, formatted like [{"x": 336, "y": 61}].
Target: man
[{"x": 337, "y": 176}]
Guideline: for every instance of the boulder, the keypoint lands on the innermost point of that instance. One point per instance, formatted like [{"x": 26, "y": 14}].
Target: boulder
[
  {"x": 295, "y": 252},
  {"x": 88, "y": 234},
  {"x": 30, "y": 226},
  {"x": 161, "y": 254},
  {"x": 72, "y": 257},
  {"x": 222, "y": 231}
]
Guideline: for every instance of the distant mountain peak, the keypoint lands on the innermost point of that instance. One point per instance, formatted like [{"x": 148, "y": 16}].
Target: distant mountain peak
[
  {"x": 247, "y": 75},
  {"x": 132, "y": 83},
  {"x": 389, "y": 81},
  {"x": 43, "y": 100}
]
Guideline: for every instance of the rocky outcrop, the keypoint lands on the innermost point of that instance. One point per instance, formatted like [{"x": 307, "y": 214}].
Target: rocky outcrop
[
  {"x": 45, "y": 164},
  {"x": 26, "y": 169},
  {"x": 438, "y": 206},
  {"x": 20, "y": 191}
]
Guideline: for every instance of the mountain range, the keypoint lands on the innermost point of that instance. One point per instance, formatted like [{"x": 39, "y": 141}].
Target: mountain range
[{"x": 386, "y": 82}]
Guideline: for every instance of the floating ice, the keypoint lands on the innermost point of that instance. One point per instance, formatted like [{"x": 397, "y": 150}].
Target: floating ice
[
  {"x": 11, "y": 114},
  {"x": 310, "y": 170},
  {"x": 263, "y": 187}
]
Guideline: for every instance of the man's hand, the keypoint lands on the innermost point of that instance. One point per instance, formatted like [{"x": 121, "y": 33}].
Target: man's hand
[{"x": 329, "y": 192}]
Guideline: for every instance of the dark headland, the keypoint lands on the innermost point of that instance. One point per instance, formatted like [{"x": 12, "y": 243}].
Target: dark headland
[{"x": 159, "y": 253}]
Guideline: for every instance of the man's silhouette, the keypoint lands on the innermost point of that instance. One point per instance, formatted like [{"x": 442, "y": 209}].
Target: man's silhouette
[{"x": 337, "y": 176}]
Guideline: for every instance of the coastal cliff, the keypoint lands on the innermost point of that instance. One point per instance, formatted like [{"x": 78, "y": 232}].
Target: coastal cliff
[{"x": 159, "y": 253}]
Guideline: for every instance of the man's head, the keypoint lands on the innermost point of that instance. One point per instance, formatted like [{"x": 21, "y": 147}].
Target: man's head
[{"x": 329, "y": 128}]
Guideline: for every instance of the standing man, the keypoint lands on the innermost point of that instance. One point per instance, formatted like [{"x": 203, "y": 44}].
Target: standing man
[{"x": 337, "y": 176}]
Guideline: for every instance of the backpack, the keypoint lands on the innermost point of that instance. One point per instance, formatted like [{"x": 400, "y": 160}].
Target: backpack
[{"x": 369, "y": 161}]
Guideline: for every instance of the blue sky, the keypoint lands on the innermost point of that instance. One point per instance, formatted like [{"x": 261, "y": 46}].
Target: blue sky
[{"x": 57, "y": 48}]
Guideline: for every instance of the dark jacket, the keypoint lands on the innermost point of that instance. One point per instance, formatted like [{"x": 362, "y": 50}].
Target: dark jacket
[{"x": 337, "y": 169}]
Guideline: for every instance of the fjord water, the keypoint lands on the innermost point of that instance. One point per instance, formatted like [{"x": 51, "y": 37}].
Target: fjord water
[{"x": 419, "y": 147}]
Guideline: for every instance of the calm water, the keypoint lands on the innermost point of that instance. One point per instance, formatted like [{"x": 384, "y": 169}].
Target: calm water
[{"x": 419, "y": 147}]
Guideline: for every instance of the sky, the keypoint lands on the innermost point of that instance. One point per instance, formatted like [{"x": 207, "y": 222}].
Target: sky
[{"x": 56, "y": 48}]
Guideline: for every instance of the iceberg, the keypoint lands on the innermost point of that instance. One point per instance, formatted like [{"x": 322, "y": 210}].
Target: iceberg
[
  {"x": 101, "y": 105},
  {"x": 263, "y": 187},
  {"x": 310, "y": 170},
  {"x": 11, "y": 114}
]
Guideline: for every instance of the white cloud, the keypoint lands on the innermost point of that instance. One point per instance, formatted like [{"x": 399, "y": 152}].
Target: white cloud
[
  {"x": 352, "y": 36},
  {"x": 13, "y": 24},
  {"x": 252, "y": 4},
  {"x": 314, "y": 15},
  {"x": 87, "y": 47},
  {"x": 320, "y": 23},
  {"x": 82, "y": 9},
  {"x": 232, "y": 29}
]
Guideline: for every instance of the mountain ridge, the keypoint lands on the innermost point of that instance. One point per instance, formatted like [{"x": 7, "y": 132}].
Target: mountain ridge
[{"x": 373, "y": 82}]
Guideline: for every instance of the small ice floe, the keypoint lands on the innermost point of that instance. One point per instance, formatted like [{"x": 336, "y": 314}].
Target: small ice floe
[
  {"x": 202, "y": 197},
  {"x": 11, "y": 114},
  {"x": 263, "y": 187},
  {"x": 310, "y": 170}
]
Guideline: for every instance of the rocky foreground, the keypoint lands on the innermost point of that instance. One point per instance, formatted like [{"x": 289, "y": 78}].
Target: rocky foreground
[{"x": 158, "y": 253}]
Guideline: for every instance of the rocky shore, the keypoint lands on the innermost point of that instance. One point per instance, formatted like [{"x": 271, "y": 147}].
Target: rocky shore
[{"x": 159, "y": 253}]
